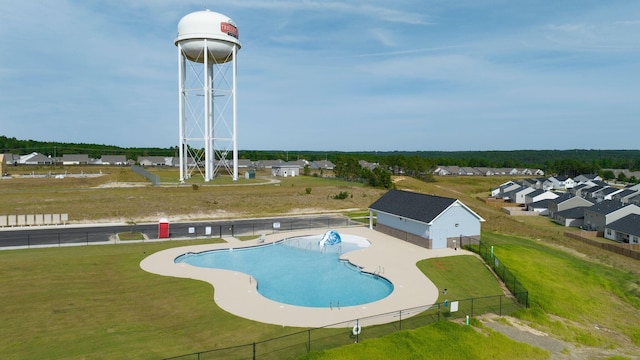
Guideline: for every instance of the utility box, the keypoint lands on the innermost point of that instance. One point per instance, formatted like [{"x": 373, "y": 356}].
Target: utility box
[
  {"x": 163, "y": 229},
  {"x": 250, "y": 174}
]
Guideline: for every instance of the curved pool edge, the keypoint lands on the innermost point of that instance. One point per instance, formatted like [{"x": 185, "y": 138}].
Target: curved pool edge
[{"x": 236, "y": 293}]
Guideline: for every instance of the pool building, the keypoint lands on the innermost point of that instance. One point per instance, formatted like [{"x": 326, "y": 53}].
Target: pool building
[{"x": 432, "y": 222}]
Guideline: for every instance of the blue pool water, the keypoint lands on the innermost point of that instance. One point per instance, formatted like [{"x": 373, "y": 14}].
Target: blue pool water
[{"x": 297, "y": 272}]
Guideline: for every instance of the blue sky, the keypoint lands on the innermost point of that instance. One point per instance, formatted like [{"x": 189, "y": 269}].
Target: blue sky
[{"x": 334, "y": 75}]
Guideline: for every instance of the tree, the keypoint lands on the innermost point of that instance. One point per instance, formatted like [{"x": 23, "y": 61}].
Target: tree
[{"x": 608, "y": 175}]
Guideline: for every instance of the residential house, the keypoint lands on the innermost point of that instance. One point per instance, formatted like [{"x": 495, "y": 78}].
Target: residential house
[
  {"x": 469, "y": 171},
  {"x": 583, "y": 178},
  {"x": 588, "y": 193},
  {"x": 538, "y": 195},
  {"x": 285, "y": 170},
  {"x": 605, "y": 193},
  {"x": 541, "y": 206},
  {"x": 113, "y": 160},
  {"x": 598, "y": 216},
  {"x": 35, "y": 159},
  {"x": 505, "y": 189},
  {"x": 155, "y": 161},
  {"x": 75, "y": 159},
  {"x": 625, "y": 194},
  {"x": 518, "y": 195},
  {"x": 369, "y": 165},
  {"x": 485, "y": 171},
  {"x": 11, "y": 159},
  {"x": 625, "y": 230},
  {"x": 571, "y": 217},
  {"x": 635, "y": 199},
  {"x": 322, "y": 165},
  {"x": 499, "y": 190},
  {"x": 566, "y": 201},
  {"x": 562, "y": 182},
  {"x": 433, "y": 222},
  {"x": 268, "y": 164},
  {"x": 577, "y": 190},
  {"x": 245, "y": 163}
]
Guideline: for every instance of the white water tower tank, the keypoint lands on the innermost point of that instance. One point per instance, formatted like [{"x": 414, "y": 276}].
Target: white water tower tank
[{"x": 216, "y": 30}]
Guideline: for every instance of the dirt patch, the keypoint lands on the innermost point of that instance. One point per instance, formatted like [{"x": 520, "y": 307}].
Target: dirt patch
[{"x": 520, "y": 331}]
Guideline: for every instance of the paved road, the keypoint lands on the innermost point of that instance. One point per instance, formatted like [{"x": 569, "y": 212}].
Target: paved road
[{"x": 70, "y": 234}]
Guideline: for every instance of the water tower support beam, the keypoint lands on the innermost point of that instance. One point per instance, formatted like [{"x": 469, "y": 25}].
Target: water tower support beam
[
  {"x": 181, "y": 112},
  {"x": 208, "y": 115},
  {"x": 235, "y": 116}
]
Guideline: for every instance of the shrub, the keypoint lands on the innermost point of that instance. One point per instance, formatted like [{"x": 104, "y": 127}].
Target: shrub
[
  {"x": 341, "y": 195},
  {"x": 308, "y": 191}
]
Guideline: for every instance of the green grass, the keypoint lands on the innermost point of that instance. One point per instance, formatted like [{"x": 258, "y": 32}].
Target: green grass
[
  {"x": 130, "y": 235},
  {"x": 441, "y": 340},
  {"x": 575, "y": 289},
  {"x": 445, "y": 273},
  {"x": 94, "y": 302}
]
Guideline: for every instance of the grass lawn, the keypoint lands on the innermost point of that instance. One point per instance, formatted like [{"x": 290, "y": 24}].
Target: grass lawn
[
  {"x": 464, "y": 277},
  {"x": 130, "y": 235},
  {"x": 94, "y": 302},
  {"x": 441, "y": 340},
  {"x": 589, "y": 295}
]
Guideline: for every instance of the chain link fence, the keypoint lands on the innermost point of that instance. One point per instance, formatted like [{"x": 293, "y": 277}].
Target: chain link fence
[{"x": 317, "y": 339}]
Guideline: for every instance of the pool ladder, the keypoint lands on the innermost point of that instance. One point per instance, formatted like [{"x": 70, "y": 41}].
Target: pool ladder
[{"x": 331, "y": 305}]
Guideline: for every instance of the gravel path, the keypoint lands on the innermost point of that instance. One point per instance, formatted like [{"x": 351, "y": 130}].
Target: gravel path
[{"x": 558, "y": 349}]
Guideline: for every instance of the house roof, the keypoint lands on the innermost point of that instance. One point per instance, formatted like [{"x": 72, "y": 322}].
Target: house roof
[
  {"x": 624, "y": 193},
  {"x": 536, "y": 193},
  {"x": 582, "y": 186},
  {"x": 609, "y": 190},
  {"x": 592, "y": 189},
  {"x": 113, "y": 158},
  {"x": 607, "y": 207},
  {"x": 420, "y": 207},
  {"x": 629, "y": 224},
  {"x": 540, "y": 204},
  {"x": 75, "y": 157},
  {"x": 562, "y": 198},
  {"x": 573, "y": 213}
]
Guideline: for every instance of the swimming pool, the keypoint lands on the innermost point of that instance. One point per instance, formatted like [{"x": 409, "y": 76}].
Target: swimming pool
[{"x": 297, "y": 271}]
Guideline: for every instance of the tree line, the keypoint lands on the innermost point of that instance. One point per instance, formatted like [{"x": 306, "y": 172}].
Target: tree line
[{"x": 411, "y": 163}]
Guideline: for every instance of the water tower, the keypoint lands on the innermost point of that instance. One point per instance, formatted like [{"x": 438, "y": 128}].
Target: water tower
[{"x": 207, "y": 44}]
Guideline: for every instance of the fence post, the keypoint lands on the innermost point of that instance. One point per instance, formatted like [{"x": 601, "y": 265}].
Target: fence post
[
  {"x": 308, "y": 341},
  {"x": 254, "y": 351},
  {"x": 472, "y": 307},
  {"x": 501, "y": 304},
  {"x": 400, "y": 317}
]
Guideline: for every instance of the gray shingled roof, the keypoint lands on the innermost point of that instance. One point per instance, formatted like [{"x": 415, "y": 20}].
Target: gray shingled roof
[
  {"x": 561, "y": 198},
  {"x": 629, "y": 224},
  {"x": 544, "y": 203},
  {"x": 573, "y": 213},
  {"x": 607, "y": 207},
  {"x": 415, "y": 206}
]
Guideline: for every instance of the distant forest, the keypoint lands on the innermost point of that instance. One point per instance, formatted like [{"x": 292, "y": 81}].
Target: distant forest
[{"x": 562, "y": 162}]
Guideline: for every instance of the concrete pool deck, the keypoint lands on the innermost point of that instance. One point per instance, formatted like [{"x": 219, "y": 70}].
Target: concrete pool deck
[{"x": 235, "y": 292}]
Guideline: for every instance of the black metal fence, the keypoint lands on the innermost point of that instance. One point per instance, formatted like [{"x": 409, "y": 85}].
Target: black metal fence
[
  {"x": 509, "y": 279},
  {"x": 317, "y": 339},
  {"x": 68, "y": 235}
]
